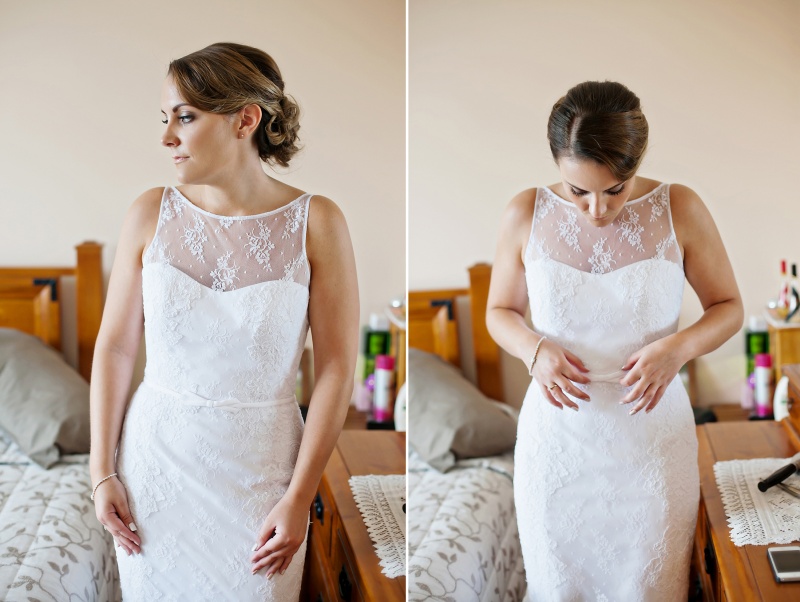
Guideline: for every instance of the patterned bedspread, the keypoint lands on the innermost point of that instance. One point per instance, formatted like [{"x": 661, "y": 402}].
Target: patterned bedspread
[
  {"x": 463, "y": 538},
  {"x": 52, "y": 548}
]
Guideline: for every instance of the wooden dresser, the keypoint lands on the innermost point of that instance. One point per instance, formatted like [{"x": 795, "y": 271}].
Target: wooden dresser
[
  {"x": 724, "y": 571},
  {"x": 341, "y": 564}
]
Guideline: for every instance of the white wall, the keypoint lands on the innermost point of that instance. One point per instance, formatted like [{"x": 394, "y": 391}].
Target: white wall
[
  {"x": 719, "y": 83},
  {"x": 80, "y": 120}
]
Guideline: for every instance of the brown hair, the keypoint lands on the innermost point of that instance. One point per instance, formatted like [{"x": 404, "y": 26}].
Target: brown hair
[
  {"x": 225, "y": 77},
  {"x": 601, "y": 121}
]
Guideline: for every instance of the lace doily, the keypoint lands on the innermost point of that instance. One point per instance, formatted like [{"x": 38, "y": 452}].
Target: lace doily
[
  {"x": 757, "y": 518},
  {"x": 380, "y": 500}
]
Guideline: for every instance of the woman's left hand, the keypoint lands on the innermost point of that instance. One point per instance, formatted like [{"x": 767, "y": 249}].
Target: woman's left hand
[
  {"x": 650, "y": 371},
  {"x": 281, "y": 535}
]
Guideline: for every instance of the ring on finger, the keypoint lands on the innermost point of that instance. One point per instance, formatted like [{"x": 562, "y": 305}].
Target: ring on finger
[{"x": 553, "y": 386}]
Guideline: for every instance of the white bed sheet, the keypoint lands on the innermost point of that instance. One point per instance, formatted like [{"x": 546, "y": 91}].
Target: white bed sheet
[
  {"x": 463, "y": 537},
  {"x": 52, "y": 547}
]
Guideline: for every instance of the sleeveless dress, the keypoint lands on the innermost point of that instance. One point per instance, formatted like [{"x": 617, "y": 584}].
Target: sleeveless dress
[
  {"x": 606, "y": 502},
  {"x": 211, "y": 436}
]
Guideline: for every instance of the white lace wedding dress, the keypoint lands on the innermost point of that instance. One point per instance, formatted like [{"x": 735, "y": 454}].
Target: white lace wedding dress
[
  {"x": 211, "y": 436},
  {"x": 606, "y": 502}
]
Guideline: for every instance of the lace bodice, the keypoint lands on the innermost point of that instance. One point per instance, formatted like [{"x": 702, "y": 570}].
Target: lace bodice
[
  {"x": 226, "y": 300},
  {"x": 225, "y": 253},
  {"x": 643, "y": 230},
  {"x": 604, "y": 292}
]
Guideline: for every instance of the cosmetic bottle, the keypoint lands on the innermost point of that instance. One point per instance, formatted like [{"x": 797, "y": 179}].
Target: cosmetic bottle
[
  {"x": 782, "y": 307},
  {"x": 756, "y": 341},
  {"x": 794, "y": 297},
  {"x": 383, "y": 397},
  {"x": 763, "y": 390}
]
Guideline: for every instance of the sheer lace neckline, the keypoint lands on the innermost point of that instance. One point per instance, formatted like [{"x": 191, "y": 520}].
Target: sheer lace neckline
[
  {"x": 628, "y": 202},
  {"x": 236, "y": 217}
]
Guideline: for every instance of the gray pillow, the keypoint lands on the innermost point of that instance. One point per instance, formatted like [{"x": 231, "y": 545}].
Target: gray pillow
[
  {"x": 448, "y": 418},
  {"x": 44, "y": 403}
]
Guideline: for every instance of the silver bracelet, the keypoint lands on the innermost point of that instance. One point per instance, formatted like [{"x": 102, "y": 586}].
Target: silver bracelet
[
  {"x": 100, "y": 482},
  {"x": 535, "y": 353}
]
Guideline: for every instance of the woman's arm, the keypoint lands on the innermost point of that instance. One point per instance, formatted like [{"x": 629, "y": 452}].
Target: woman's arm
[
  {"x": 112, "y": 365},
  {"x": 333, "y": 313},
  {"x": 710, "y": 274},
  {"x": 508, "y": 302}
]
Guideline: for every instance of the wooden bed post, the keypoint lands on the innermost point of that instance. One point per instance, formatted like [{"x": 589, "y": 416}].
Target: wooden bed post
[
  {"x": 89, "y": 294},
  {"x": 487, "y": 353}
]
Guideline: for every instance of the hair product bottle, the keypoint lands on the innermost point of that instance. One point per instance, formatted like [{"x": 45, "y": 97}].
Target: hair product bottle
[
  {"x": 782, "y": 308},
  {"x": 763, "y": 390}
]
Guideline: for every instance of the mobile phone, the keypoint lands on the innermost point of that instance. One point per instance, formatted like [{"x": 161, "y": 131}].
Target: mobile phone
[{"x": 785, "y": 563}]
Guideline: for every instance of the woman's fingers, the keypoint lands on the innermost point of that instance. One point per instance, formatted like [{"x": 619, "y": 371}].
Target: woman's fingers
[
  {"x": 647, "y": 396},
  {"x": 285, "y": 564},
  {"x": 575, "y": 361},
  {"x": 550, "y": 399},
  {"x": 654, "y": 401},
  {"x": 567, "y": 386},
  {"x": 118, "y": 528},
  {"x": 559, "y": 394}
]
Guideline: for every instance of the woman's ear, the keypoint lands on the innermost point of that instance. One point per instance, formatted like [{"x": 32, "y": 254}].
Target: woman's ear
[{"x": 248, "y": 119}]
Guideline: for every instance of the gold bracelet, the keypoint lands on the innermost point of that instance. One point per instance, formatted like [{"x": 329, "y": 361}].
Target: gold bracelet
[
  {"x": 535, "y": 353},
  {"x": 99, "y": 483}
]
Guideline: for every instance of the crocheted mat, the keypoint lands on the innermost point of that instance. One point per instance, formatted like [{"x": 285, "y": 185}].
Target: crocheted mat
[
  {"x": 757, "y": 518},
  {"x": 380, "y": 500}
]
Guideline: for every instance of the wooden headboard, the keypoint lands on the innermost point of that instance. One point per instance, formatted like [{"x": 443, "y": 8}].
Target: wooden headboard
[
  {"x": 433, "y": 327},
  {"x": 30, "y": 301}
]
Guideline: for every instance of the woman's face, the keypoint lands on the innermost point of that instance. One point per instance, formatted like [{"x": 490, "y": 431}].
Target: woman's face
[
  {"x": 201, "y": 143},
  {"x": 593, "y": 189}
]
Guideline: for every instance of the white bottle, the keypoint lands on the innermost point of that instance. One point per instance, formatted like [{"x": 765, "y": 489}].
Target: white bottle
[
  {"x": 384, "y": 388},
  {"x": 763, "y": 390},
  {"x": 400, "y": 410},
  {"x": 780, "y": 403}
]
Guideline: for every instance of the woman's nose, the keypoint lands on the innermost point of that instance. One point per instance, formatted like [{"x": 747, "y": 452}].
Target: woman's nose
[
  {"x": 597, "y": 209},
  {"x": 168, "y": 138}
]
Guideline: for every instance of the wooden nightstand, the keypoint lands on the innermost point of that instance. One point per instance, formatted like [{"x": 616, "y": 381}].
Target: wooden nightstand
[
  {"x": 725, "y": 571},
  {"x": 341, "y": 563}
]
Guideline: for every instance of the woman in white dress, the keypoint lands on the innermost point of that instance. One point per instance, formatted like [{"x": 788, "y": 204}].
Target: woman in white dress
[
  {"x": 607, "y": 494},
  {"x": 208, "y": 493}
]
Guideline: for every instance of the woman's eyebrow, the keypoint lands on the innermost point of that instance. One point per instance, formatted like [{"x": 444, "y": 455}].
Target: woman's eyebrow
[
  {"x": 176, "y": 107},
  {"x": 606, "y": 190}
]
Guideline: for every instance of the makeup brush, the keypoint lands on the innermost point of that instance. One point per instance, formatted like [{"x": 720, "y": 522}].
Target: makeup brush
[{"x": 779, "y": 475}]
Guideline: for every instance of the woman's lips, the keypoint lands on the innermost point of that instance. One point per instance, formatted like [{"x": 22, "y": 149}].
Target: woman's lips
[{"x": 179, "y": 159}]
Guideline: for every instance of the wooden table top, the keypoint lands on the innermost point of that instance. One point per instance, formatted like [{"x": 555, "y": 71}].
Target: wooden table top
[
  {"x": 745, "y": 570},
  {"x": 362, "y": 453}
]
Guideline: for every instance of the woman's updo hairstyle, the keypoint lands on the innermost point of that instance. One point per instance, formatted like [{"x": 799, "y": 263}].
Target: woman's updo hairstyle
[
  {"x": 225, "y": 77},
  {"x": 602, "y": 121}
]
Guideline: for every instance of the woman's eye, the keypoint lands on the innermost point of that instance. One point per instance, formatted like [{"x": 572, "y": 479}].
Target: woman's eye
[
  {"x": 616, "y": 192},
  {"x": 164, "y": 122},
  {"x": 578, "y": 192},
  {"x": 188, "y": 118}
]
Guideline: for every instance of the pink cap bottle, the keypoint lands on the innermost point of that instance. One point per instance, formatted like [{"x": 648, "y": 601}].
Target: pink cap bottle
[
  {"x": 763, "y": 388},
  {"x": 384, "y": 388}
]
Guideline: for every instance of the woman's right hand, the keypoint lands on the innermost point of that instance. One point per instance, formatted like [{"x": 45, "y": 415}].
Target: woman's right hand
[
  {"x": 556, "y": 366},
  {"x": 111, "y": 508}
]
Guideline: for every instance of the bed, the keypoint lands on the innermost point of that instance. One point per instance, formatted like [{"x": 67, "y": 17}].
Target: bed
[
  {"x": 52, "y": 548},
  {"x": 462, "y": 529}
]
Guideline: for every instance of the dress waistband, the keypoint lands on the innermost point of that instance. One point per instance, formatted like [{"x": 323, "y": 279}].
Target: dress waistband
[
  {"x": 231, "y": 404},
  {"x": 606, "y": 377}
]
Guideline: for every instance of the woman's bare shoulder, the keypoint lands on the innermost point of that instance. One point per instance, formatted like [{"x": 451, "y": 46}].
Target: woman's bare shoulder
[
  {"x": 142, "y": 217},
  {"x": 521, "y": 205},
  {"x": 685, "y": 203}
]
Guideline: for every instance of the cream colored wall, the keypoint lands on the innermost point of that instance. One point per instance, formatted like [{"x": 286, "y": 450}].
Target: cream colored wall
[
  {"x": 80, "y": 119},
  {"x": 719, "y": 83}
]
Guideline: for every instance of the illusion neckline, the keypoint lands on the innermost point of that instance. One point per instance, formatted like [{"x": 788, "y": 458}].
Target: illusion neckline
[
  {"x": 628, "y": 202},
  {"x": 236, "y": 217}
]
